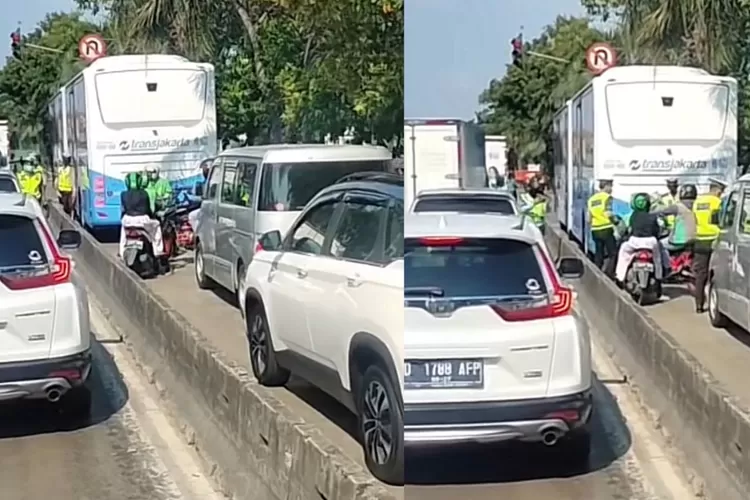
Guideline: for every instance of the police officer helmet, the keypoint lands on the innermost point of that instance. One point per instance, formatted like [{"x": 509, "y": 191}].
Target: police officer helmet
[{"x": 673, "y": 181}]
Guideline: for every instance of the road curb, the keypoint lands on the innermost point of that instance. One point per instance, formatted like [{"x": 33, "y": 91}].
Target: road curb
[
  {"x": 710, "y": 426},
  {"x": 260, "y": 449}
]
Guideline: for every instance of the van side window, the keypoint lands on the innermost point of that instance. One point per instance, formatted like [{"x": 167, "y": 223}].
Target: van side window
[
  {"x": 214, "y": 181},
  {"x": 727, "y": 217},
  {"x": 248, "y": 170},
  {"x": 745, "y": 214},
  {"x": 229, "y": 184},
  {"x": 357, "y": 235},
  {"x": 309, "y": 235}
]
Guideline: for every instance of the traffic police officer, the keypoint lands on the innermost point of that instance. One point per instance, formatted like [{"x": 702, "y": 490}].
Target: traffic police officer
[
  {"x": 65, "y": 185},
  {"x": 706, "y": 232},
  {"x": 671, "y": 198},
  {"x": 602, "y": 226}
]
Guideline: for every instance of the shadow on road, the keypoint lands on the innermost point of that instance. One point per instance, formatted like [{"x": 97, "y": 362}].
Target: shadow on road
[
  {"x": 514, "y": 461},
  {"x": 31, "y": 418}
]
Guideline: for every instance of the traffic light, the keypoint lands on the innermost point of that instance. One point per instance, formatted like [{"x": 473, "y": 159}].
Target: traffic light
[
  {"x": 517, "y": 45},
  {"x": 15, "y": 43}
]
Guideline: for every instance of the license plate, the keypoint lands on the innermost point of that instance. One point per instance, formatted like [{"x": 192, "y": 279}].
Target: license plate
[
  {"x": 643, "y": 266},
  {"x": 444, "y": 374},
  {"x": 134, "y": 244}
]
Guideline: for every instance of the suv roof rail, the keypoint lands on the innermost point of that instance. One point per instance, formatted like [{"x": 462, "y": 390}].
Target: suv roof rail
[{"x": 386, "y": 177}]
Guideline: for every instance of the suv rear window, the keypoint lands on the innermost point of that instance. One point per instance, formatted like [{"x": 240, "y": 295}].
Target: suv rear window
[
  {"x": 473, "y": 268},
  {"x": 288, "y": 187},
  {"x": 7, "y": 185},
  {"x": 27, "y": 248},
  {"x": 464, "y": 204}
]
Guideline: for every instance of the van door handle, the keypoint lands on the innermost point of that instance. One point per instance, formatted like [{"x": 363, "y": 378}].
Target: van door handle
[
  {"x": 301, "y": 273},
  {"x": 353, "y": 281}
]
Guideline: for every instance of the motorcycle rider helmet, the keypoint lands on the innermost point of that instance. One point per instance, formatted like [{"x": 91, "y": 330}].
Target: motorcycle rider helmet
[
  {"x": 133, "y": 180},
  {"x": 641, "y": 202},
  {"x": 688, "y": 192}
]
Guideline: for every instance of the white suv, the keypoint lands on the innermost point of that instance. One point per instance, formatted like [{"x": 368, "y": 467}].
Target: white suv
[
  {"x": 44, "y": 315},
  {"x": 326, "y": 302},
  {"x": 493, "y": 350}
]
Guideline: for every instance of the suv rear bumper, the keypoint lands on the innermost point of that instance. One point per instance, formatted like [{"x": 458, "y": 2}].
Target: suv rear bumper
[
  {"x": 45, "y": 378},
  {"x": 525, "y": 420}
]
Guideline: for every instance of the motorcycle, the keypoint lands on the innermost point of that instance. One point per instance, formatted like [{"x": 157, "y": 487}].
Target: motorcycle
[
  {"x": 138, "y": 253},
  {"x": 175, "y": 225},
  {"x": 640, "y": 279}
]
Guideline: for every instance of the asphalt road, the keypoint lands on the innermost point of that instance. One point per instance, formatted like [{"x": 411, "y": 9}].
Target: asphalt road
[{"x": 126, "y": 450}]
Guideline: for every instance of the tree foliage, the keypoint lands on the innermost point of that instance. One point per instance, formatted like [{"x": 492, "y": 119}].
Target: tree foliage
[
  {"x": 710, "y": 34},
  {"x": 286, "y": 69},
  {"x": 521, "y": 104},
  {"x": 28, "y": 83}
]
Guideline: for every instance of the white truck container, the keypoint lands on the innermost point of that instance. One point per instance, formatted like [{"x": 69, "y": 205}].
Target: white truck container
[
  {"x": 442, "y": 154},
  {"x": 4, "y": 144},
  {"x": 496, "y": 148},
  {"x": 641, "y": 125}
]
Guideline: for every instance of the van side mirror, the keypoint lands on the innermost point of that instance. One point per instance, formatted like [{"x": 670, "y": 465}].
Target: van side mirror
[
  {"x": 271, "y": 241},
  {"x": 570, "y": 267}
]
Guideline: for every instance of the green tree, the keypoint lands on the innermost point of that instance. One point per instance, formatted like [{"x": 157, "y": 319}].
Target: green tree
[
  {"x": 28, "y": 83},
  {"x": 310, "y": 67},
  {"x": 522, "y": 103}
]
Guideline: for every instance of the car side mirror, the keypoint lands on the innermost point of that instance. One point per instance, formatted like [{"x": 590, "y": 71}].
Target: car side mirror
[
  {"x": 271, "y": 240},
  {"x": 570, "y": 267},
  {"x": 69, "y": 239},
  {"x": 715, "y": 218}
]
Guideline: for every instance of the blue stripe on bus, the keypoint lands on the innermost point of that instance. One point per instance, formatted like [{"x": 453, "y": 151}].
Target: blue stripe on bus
[{"x": 109, "y": 215}]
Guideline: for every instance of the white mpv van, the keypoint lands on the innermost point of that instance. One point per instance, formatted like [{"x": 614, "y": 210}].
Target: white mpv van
[{"x": 254, "y": 190}]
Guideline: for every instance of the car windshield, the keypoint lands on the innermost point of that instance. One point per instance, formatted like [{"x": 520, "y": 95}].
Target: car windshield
[
  {"x": 22, "y": 247},
  {"x": 465, "y": 204},
  {"x": 288, "y": 187},
  {"x": 472, "y": 268},
  {"x": 7, "y": 185}
]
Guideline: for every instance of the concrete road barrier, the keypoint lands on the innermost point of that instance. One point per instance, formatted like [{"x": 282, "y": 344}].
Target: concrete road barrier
[
  {"x": 255, "y": 447},
  {"x": 709, "y": 427}
]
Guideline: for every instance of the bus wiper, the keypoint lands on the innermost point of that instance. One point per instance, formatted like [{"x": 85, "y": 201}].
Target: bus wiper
[{"x": 432, "y": 291}]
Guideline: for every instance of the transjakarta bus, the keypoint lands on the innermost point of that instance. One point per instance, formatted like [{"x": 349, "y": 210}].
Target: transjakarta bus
[
  {"x": 563, "y": 164},
  {"x": 124, "y": 113},
  {"x": 641, "y": 125}
]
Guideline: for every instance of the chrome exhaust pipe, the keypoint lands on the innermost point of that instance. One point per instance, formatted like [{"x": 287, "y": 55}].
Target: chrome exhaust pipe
[
  {"x": 550, "y": 437},
  {"x": 54, "y": 394}
]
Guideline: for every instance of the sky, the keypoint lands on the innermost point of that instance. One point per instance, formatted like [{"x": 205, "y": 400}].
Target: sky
[
  {"x": 454, "y": 48},
  {"x": 28, "y": 13}
]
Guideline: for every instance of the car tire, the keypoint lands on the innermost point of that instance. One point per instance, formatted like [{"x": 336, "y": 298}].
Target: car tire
[
  {"x": 715, "y": 316},
  {"x": 76, "y": 403},
  {"x": 204, "y": 282},
  {"x": 380, "y": 418},
  {"x": 263, "y": 359}
]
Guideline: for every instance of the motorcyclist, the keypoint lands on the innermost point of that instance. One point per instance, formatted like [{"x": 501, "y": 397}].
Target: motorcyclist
[
  {"x": 643, "y": 234},
  {"x": 683, "y": 229},
  {"x": 158, "y": 188},
  {"x": 137, "y": 212},
  {"x": 31, "y": 181}
]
